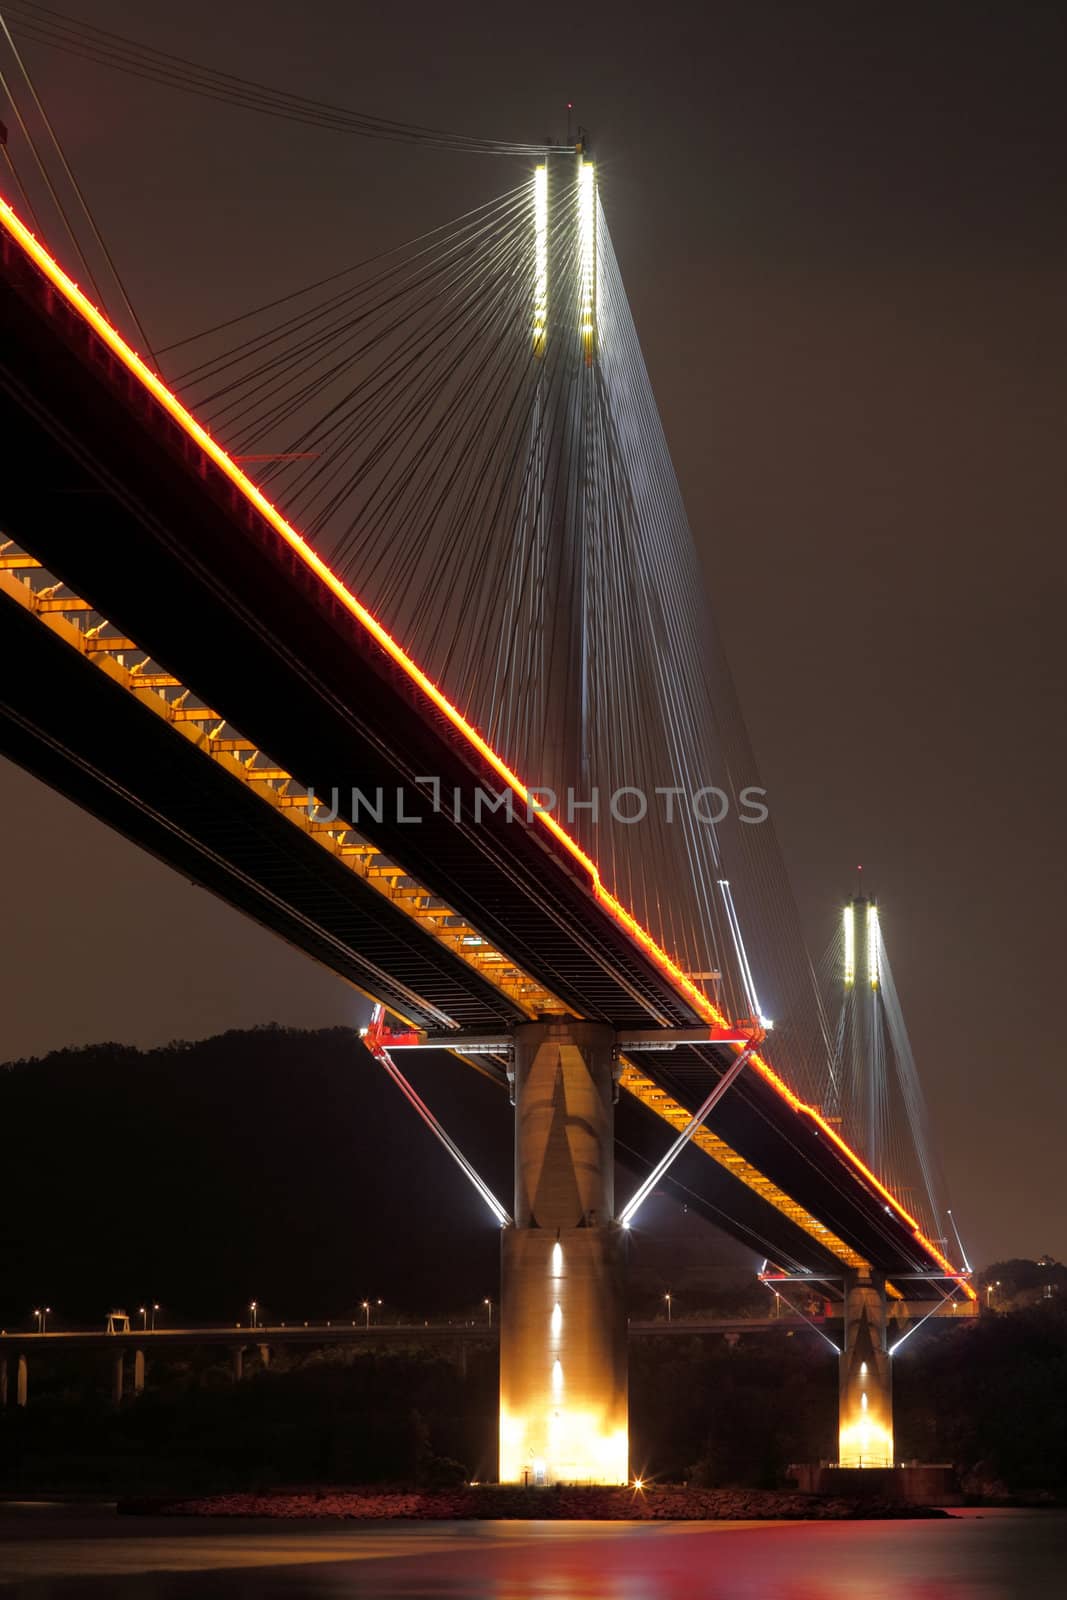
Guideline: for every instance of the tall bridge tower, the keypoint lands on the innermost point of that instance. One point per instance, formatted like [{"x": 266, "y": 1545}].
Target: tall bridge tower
[
  {"x": 865, "y": 1434},
  {"x": 563, "y": 1371}
]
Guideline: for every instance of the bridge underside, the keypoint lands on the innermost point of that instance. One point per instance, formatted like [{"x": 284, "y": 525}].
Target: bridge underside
[
  {"x": 109, "y": 498},
  {"x": 127, "y": 510},
  {"x": 74, "y": 727}
]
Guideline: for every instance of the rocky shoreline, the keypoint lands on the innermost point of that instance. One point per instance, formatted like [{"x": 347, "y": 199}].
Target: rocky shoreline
[{"x": 490, "y": 1502}]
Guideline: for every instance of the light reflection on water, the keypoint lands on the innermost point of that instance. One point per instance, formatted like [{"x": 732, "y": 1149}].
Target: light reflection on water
[{"x": 52, "y": 1553}]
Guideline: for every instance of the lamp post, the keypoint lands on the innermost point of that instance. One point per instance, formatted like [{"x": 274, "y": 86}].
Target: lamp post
[
  {"x": 667, "y": 1297},
  {"x": 489, "y": 1308},
  {"x": 143, "y": 1313},
  {"x": 366, "y": 1313},
  {"x": 155, "y": 1308},
  {"x": 254, "y": 1309},
  {"x": 42, "y": 1314}
]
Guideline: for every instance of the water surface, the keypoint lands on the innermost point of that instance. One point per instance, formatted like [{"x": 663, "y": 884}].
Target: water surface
[{"x": 69, "y": 1552}]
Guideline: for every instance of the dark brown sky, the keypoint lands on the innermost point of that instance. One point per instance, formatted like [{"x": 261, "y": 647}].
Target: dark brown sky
[{"x": 843, "y": 234}]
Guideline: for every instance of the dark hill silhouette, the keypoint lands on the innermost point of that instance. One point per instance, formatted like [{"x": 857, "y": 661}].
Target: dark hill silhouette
[{"x": 272, "y": 1164}]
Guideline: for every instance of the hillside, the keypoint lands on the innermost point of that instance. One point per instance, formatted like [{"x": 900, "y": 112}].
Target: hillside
[{"x": 274, "y": 1165}]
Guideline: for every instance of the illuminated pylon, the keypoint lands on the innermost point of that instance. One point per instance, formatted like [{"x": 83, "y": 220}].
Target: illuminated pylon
[
  {"x": 860, "y": 942},
  {"x": 848, "y": 933},
  {"x": 562, "y": 468},
  {"x": 861, "y": 979},
  {"x": 540, "y": 295},
  {"x": 565, "y": 253},
  {"x": 563, "y": 1405}
]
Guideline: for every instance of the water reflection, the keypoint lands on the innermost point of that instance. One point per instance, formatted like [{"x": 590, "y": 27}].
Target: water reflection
[{"x": 73, "y": 1554}]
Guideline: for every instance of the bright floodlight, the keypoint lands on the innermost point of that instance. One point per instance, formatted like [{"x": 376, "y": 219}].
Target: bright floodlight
[
  {"x": 587, "y": 245},
  {"x": 872, "y": 944},
  {"x": 849, "y": 925},
  {"x": 540, "y": 300}
]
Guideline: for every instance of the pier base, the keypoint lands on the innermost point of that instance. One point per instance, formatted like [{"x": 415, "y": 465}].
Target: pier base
[
  {"x": 563, "y": 1372},
  {"x": 865, "y": 1432},
  {"x": 915, "y": 1485}
]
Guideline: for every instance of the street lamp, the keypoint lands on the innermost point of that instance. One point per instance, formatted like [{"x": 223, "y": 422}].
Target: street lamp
[
  {"x": 155, "y": 1308},
  {"x": 143, "y": 1313},
  {"x": 254, "y": 1309},
  {"x": 667, "y": 1297},
  {"x": 42, "y": 1314},
  {"x": 489, "y": 1306},
  {"x": 366, "y": 1312}
]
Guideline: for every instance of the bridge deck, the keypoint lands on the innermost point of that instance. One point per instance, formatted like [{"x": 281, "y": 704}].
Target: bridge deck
[{"x": 121, "y": 496}]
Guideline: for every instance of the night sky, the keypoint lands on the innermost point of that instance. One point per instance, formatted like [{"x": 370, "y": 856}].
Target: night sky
[{"x": 843, "y": 233}]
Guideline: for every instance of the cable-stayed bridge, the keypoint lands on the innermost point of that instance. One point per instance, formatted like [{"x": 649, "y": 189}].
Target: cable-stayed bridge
[{"x": 416, "y": 669}]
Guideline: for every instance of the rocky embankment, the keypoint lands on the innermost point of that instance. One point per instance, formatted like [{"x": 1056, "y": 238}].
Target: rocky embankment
[{"x": 489, "y": 1502}]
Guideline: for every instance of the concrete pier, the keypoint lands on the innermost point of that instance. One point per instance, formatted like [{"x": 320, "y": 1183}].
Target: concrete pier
[
  {"x": 865, "y": 1436},
  {"x": 138, "y": 1372},
  {"x": 21, "y": 1381},
  {"x": 563, "y": 1372}
]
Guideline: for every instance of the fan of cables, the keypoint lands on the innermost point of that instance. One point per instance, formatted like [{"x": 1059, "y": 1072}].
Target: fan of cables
[
  {"x": 45, "y": 26},
  {"x": 873, "y": 1082},
  {"x": 465, "y": 427},
  {"x": 505, "y": 501},
  {"x": 483, "y": 460}
]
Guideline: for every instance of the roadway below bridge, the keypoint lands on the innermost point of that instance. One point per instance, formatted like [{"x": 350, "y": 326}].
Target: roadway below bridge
[
  {"x": 359, "y": 1335},
  {"x": 453, "y": 1341},
  {"x": 355, "y": 1335}
]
